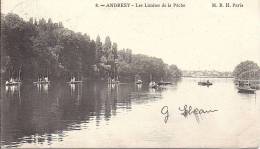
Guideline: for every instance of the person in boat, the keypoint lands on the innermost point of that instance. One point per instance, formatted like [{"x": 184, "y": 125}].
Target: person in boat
[
  {"x": 152, "y": 83},
  {"x": 207, "y": 81},
  {"x": 139, "y": 82},
  {"x": 73, "y": 79},
  {"x": 46, "y": 79}
]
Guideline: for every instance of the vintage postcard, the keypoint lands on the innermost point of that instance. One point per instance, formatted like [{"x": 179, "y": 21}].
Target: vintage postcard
[{"x": 130, "y": 74}]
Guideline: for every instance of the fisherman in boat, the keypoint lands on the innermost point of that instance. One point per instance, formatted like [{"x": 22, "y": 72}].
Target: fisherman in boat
[
  {"x": 139, "y": 82},
  {"x": 152, "y": 83},
  {"x": 73, "y": 79}
]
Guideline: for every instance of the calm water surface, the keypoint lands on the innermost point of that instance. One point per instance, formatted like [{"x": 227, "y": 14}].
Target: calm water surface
[{"x": 127, "y": 115}]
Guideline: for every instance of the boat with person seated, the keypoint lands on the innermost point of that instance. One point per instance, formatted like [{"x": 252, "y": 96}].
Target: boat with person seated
[
  {"x": 138, "y": 79},
  {"x": 115, "y": 81},
  {"x": 154, "y": 85},
  {"x": 74, "y": 81},
  {"x": 205, "y": 83},
  {"x": 44, "y": 80},
  {"x": 139, "y": 82},
  {"x": 12, "y": 82}
]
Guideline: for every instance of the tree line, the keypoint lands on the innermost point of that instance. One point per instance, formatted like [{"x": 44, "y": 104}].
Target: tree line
[{"x": 36, "y": 48}]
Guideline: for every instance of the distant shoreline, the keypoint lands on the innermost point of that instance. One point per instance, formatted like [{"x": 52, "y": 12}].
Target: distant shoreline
[{"x": 204, "y": 77}]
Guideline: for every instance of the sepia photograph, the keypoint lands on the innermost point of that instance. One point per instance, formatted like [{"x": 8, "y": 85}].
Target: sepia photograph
[{"x": 130, "y": 74}]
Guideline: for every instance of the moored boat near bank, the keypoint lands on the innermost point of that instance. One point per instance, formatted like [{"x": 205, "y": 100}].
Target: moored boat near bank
[
  {"x": 164, "y": 83},
  {"x": 245, "y": 86},
  {"x": 74, "y": 81},
  {"x": 12, "y": 82},
  {"x": 246, "y": 89},
  {"x": 44, "y": 80},
  {"x": 139, "y": 82}
]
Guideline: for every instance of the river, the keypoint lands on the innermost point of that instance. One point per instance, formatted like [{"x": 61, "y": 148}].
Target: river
[{"x": 127, "y": 115}]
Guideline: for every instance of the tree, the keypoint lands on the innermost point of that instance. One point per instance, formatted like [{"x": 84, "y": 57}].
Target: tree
[
  {"x": 174, "y": 71},
  {"x": 98, "y": 49},
  {"x": 114, "y": 50},
  {"x": 107, "y": 47},
  {"x": 246, "y": 70},
  {"x": 146, "y": 67}
]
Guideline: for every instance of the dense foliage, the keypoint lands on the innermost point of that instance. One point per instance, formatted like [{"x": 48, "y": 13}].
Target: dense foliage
[
  {"x": 247, "y": 70},
  {"x": 37, "y": 48},
  {"x": 148, "y": 68}
]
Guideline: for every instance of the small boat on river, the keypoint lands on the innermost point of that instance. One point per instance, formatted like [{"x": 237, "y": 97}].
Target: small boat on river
[
  {"x": 205, "y": 83},
  {"x": 245, "y": 87},
  {"x": 113, "y": 81},
  {"x": 139, "y": 82},
  {"x": 152, "y": 84},
  {"x": 250, "y": 84},
  {"x": 164, "y": 83},
  {"x": 44, "y": 80},
  {"x": 74, "y": 81},
  {"x": 138, "y": 79},
  {"x": 12, "y": 82}
]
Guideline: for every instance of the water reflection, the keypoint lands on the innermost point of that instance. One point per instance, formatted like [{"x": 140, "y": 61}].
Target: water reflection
[
  {"x": 42, "y": 88},
  {"x": 12, "y": 89},
  {"x": 152, "y": 90},
  {"x": 72, "y": 87},
  {"x": 47, "y": 115},
  {"x": 139, "y": 86},
  {"x": 13, "y": 92},
  {"x": 76, "y": 92},
  {"x": 46, "y": 112}
]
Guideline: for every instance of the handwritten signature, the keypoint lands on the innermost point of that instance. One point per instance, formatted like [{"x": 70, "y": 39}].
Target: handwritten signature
[
  {"x": 165, "y": 112},
  {"x": 185, "y": 111}
]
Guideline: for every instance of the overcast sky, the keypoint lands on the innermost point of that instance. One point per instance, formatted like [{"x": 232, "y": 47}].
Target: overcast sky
[{"x": 197, "y": 37}]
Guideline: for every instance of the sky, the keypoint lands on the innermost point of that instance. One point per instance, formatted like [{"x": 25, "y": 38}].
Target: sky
[{"x": 197, "y": 37}]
